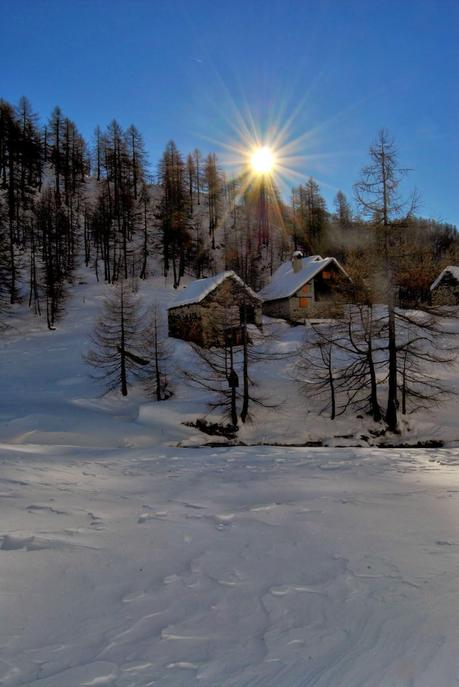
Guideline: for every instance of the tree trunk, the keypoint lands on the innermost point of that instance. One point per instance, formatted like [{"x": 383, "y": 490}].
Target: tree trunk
[
  {"x": 123, "y": 349},
  {"x": 245, "y": 373},
  {"x": 374, "y": 405},
  {"x": 157, "y": 370},
  {"x": 12, "y": 264},
  {"x": 143, "y": 271},
  {"x": 233, "y": 393},
  {"x": 404, "y": 386},
  {"x": 331, "y": 383},
  {"x": 391, "y": 412}
]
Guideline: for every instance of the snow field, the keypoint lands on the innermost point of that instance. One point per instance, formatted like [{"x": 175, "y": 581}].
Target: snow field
[{"x": 235, "y": 566}]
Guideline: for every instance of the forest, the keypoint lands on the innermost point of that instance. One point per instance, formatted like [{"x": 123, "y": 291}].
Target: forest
[{"x": 102, "y": 204}]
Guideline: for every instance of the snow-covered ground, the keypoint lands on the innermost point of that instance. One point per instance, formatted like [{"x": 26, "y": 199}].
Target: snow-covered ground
[
  {"x": 130, "y": 557},
  {"x": 48, "y": 396},
  {"x": 239, "y": 566}
]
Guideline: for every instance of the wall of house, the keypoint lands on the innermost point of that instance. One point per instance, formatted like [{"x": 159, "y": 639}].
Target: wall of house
[
  {"x": 280, "y": 309},
  {"x": 301, "y": 309},
  {"x": 323, "y": 296},
  {"x": 221, "y": 309},
  {"x": 318, "y": 298},
  {"x": 328, "y": 284},
  {"x": 205, "y": 322},
  {"x": 446, "y": 294},
  {"x": 301, "y": 304},
  {"x": 329, "y": 293},
  {"x": 185, "y": 323}
]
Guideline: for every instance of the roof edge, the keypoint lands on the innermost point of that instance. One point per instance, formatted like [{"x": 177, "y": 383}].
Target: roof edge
[
  {"x": 320, "y": 267},
  {"x": 438, "y": 280},
  {"x": 227, "y": 274}
]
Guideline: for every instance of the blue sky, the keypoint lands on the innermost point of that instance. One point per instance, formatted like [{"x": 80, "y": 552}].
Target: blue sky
[{"x": 190, "y": 70}]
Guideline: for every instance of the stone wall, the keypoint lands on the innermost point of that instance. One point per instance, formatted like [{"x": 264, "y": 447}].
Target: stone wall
[
  {"x": 205, "y": 322},
  {"x": 280, "y": 309},
  {"x": 185, "y": 323},
  {"x": 322, "y": 297},
  {"x": 303, "y": 305},
  {"x": 313, "y": 310},
  {"x": 446, "y": 294}
]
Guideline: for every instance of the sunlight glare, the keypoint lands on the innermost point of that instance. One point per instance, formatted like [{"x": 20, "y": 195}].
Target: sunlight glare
[{"x": 262, "y": 160}]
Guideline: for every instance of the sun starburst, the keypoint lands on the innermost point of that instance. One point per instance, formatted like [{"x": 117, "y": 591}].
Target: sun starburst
[{"x": 263, "y": 160}]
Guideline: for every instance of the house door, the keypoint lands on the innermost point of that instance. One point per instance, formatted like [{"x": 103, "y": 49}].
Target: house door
[{"x": 247, "y": 314}]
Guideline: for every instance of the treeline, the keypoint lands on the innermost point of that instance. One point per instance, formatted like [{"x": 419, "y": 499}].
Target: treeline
[
  {"x": 42, "y": 173},
  {"x": 66, "y": 202}
]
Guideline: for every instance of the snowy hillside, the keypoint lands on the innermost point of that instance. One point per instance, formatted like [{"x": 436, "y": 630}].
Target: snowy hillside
[{"x": 50, "y": 398}]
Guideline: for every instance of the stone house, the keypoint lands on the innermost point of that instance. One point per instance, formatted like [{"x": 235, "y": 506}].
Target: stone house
[
  {"x": 445, "y": 289},
  {"x": 211, "y": 311},
  {"x": 306, "y": 287}
]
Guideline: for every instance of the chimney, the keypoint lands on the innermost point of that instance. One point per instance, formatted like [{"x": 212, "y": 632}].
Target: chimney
[{"x": 297, "y": 261}]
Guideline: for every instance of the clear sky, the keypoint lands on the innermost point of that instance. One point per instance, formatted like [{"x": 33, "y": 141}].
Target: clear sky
[{"x": 336, "y": 70}]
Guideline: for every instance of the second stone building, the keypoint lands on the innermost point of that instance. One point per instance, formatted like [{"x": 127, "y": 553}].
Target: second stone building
[{"x": 212, "y": 311}]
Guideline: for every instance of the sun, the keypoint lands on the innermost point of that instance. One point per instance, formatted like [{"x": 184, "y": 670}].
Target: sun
[{"x": 263, "y": 160}]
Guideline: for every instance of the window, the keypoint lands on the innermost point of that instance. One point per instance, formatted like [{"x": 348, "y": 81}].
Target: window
[
  {"x": 326, "y": 275},
  {"x": 304, "y": 302}
]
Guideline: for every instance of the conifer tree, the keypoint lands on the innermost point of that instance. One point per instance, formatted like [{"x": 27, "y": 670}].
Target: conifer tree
[
  {"x": 53, "y": 229},
  {"x": 191, "y": 179},
  {"x": 117, "y": 340},
  {"x": 10, "y": 164},
  {"x": 137, "y": 159},
  {"x": 213, "y": 184},
  {"x": 310, "y": 216},
  {"x": 198, "y": 173},
  {"x": 173, "y": 212},
  {"x": 156, "y": 351},
  {"x": 343, "y": 211},
  {"x": 4, "y": 265},
  {"x": 54, "y": 143},
  {"x": 378, "y": 197}
]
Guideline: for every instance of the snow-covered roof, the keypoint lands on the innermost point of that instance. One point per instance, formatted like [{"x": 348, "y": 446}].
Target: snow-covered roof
[
  {"x": 285, "y": 281},
  {"x": 199, "y": 289},
  {"x": 453, "y": 270}
]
